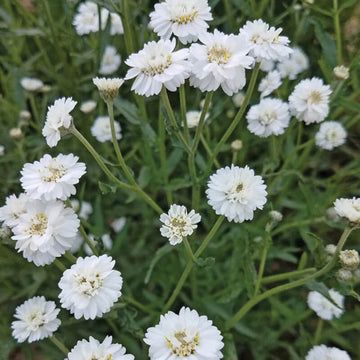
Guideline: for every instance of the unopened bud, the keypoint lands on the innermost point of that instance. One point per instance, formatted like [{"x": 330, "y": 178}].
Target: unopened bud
[
  {"x": 45, "y": 89},
  {"x": 276, "y": 216},
  {"x": 230, "y": 113},
  {"x": 24, "y": 116},
  {"x": 344, "y": 275},
  {"x": 330, "y": 249},
  {"x": 16, "y": 134},
  {"x": 238, "y": 99},
  {"x": 349, "y": 259},
  {"x": 297, "y": 7},
  {"x": 341, "y": 72},
  {"x": 88, "y": 106},
  {"x": 258, "y": 239},
  {"x": 5, "y": 232},
  {"x": 236, "y": 145}
]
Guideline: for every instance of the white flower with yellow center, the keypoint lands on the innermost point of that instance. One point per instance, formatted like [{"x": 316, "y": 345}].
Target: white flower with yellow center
[
  {"x": 348, "y": 209},
  {"x": 269, "y": 117},
  {"x": 309, "y": 102},
  {"x": 45, "y": 231},
  {"x": 267, "y": 42},
  {"x": 101, "y": 129},
  {"x": 90, "y": 287},
  {"x": 58, "y": 120},
  {"x": 110, "y": 61},
  {"x": 92, "y": 349},
  {"x": 108, "y": 87},
  {"x": 13, "y": 208},
  {"x": 220, "y": 61},
  {"x": 269, "y": 83},
  {"x": 184, "y": 335},
  {"x": 37, "y": 320},
  {"x": 157, "y": 64},
  {"x": 186, "y": 19},
  {"x": 52, "y": 178},
  {"x": 322, "y": 352},
  {"x": 330, "y": 135},
  {"x": 236, "y": 193},
  {"x": 178, "y": 223},
  {"x": 323, "y": 307}
]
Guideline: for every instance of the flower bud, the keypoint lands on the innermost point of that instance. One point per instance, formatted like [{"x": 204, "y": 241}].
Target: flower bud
[
  {"x": 236, "y": 145},
  {"x": 230, "y": 113},
  {"x": 5, "y": 232},
  {"x": 349, "y": 259},
  {"x": 238, "y": 99},
  {"x": 16, "y": 134},
  {"x": 88, "y": 106},
  {"x": 330, "y": 249},
  {"x": 45, "y": 89},
  {"x": 275, "y": 216},
  {"x": 24, "y": 116},
  {"x": 341, "y": 72},
  {"x": 344, "y": 275}
]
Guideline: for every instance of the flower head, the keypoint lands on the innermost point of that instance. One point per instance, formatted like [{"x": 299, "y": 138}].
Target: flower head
[
  {"x": 309, "y": 101},
  {"x": 184, "y": 335},
  {"x": 90, "y": 287},
  {"x": 330, "y": 135},
  {"x": 108, "y": 88},
  {"x": 341, "y": 72},
  {"x": 45, "y": 231},
  {"x": 37, "y": 320},
  {"x": 84, "y": 208},
  {"x": 88, "y": 106},
  {"x": 323, "y": 307},
  {"x": 349, "y": 259},
  {"x": 269, "y": 117},
  {"x": 296, "y": 64},
  {"x": 269, "y": 83},
  {"x": 322, "y": 352},
  {"x": 157, "y": 64},
  {"x": 178, "y": 223},
  {"x": 87, "y": 18},
  {"x": 52, "y": 178},
  {"x": 31, "y": 84},
  {"x": 267, "y": 42},
  {"x": 93, "y": 349},
  {"x": 118, "y": 224},
  {"x": 348, "y": 209},
  {"x": 186, "y": 19},
  {"x": 101, "y": 129},
  {"x": 221, "y": 60},
  {"x": 58, "y": 120},
  {"x": 193, "y": 118},
  {"x": 236, "y": 193},
  {"x": 110, "y": 61},
  {"x": 116, "y": 26},
  {"x": 13, "y": 208}
]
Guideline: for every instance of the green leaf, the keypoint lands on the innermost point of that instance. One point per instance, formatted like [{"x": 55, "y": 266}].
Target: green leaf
[
  {"x": 106, "y": 188},
  {"x": 128, "y": 110},
  {"x": 159, "y": 254},
  {"x": 209, "y": 261},
  {"x": 229, "y": 351},
  {"x": 178, "y": 183},
  {"x": 144, "y": 176}
]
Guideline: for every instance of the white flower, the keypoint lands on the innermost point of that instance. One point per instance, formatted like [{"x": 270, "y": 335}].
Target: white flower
[
  {"x": 31, "y": 84},
  {"x": 236, "y": 193},
  {"x": 84, "y": 209},
  {"x": 13, "y": 208},
  {"x": 52, "y": 178},
  {"x": 309, "y": 101},
  {"x": 330, "y": 135},
  {"x": 348, "y": 208},
  {"x": 108, "y": 88},
  {"x": 220, "y": 61},
  {"x": 178, "y": 223},
  {"x": 2, "y": 150},
  {"x": 267, "y": 65},
  {"x": 275, "y": 215},
  {"x": 341, "y": 72},
  {"x": 105, "y": 239},
  {"x": 110, "y": 62},
  {"x": 101, "y": 129},
  {"x": 186, "y": 19},
  {"x": 45, "y": 231},
  {"x": 324, "y": 308},
  {"x": 118, "y": 224},
  {"x": 292, "y": 67},
  {"x": 87, "y": 18},
  {"x": 322, "y": 352},
  {"x": 238, "y": 98},
  {"x": 58, "y": 119},
  {"x": 93, "y": 349},
  {"x": 269, "y": 83},
  {"x": 88, "y": 106},
  {"x": 269, "y": 117},
  {"x": 157, "y": 64},
  {"x": 116, "y": 26},
  {"x": 37, "y": 320},
  {"x": 76, "y": 243},
  {"x": 90, "y": 287},
  {"x": 184, "y": 335},
  {"x": 267, "y": 42},
  {"x": 193, "y": 118}
]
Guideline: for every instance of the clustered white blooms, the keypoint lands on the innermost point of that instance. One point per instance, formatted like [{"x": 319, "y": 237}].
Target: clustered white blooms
[
  {"x": 269, "y": 117},
  {"x": 88, "y": 106},
  {"x": 58, "y": 120},
  {"x": 45, "y": 231},
  {"x": 184, "y": 335},
  {"x": 267, "y": 65},
  {"x": 93, "y": 349},
  {"x": 322, "y": 352},
  {"x": 309, "y": 102},
  {"x": 186, "y": 19},
  {"x": 108, "y": 87},
  {"x": 157, "y": 65},
  {"x": 267, "y": 42},
  {"x": 31, "y": 84},
  {"x": 236, "y": 193},
  {"x": 37, "y": 320},
  {"x": 296, "y": 64},
  {"x": 220, "y": 61},
  {"x": 178, "y": 223},
  {"x": 84, "y": 209},
  {"x": 193, "y": 118},
  {"x": 269, "y": 83},
  {"x": 101, "y": 129},
  {"x": 52, "y": 178},
  {"x": 348, "y": 209},
  {"x": 330, "y": 135},
  {"x": 13, "y": 208},
  {"x": 90, "y": 287},
  {"x": 110, "y": 61},
  {"x": 323, "y": 307}
]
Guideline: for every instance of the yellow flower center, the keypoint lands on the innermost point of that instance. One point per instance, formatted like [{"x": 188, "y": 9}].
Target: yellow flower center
[
  {"x": 182, "y": 345},
  {"x": 315, "y": 97},
  {"x": 157, "y": 65},
  {"x": 218, "y": 54},
  {"x": 38, "y": 225},
  {"x": 184, "y": 19}
]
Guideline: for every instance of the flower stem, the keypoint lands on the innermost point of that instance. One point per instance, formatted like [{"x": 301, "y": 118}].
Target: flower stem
[
  {"x": 262, "y": 267},
  {"x": 319, "y": 328},
  {"x": 208, "y": 150},
  {"x": 278, "y": 289},
  {"x": 183, "y": 112},
  {"x": 337, "y": 32},
  {"x": 287, "y": 275},
  {"x": 189, "y": 250},
  {"x": 60, "y": 265},
  {"x": 88, "y": 241},
  {"x": 68, "y": 255},
  {"x": 59, "y": 344}
]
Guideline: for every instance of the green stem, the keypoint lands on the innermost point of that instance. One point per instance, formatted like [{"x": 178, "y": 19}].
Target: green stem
[
  {"x": 337, "y": 32},
  {"x": 336, "y": 90},
  {"x": 261, "y": 268},
  {"x": 113, "y": 327},
  {"x": 60, "y": 265},
  {"x": 128, "y": 31},
  {"x": 229, "y": 14},
  {"x": 190, "y": 263},
  {"x": 189, "y": 250},
  {"x": 183, "y": 112},
  {"x": 136, "y": 303},
  {"x": 88, "y": 241},
  {"x": 59, "y": 344},
  {"x": 278, "y": 289},
  {"x": 99, "y": 37},
  {"x": 319, "y": 328},
  {"x": 297, "y": 224},
  {"x": 34, "y": 110},
  {"x": 50, "y": 20},
  {"x": 287, "y": 275},
  {"x": 208, "y": 150},
  {"x": 68, "y": 255}
]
